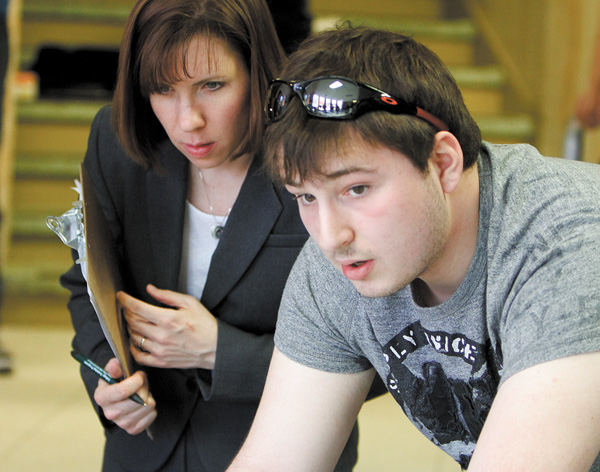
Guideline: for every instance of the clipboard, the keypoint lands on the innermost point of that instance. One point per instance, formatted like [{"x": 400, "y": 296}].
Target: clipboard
[
  {"x": 85, "y": 229},
  {"x": 103, "y": 275}
]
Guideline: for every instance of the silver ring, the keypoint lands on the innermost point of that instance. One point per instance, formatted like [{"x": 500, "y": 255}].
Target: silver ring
[{"x": 142, "y": 344}]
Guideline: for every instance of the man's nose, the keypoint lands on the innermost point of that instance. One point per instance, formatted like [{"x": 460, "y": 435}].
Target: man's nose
[{"x": 335, "y": 230}]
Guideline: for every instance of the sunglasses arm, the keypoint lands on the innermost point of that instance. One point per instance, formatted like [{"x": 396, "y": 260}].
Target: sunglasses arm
[{"x": 434, "y": 120}]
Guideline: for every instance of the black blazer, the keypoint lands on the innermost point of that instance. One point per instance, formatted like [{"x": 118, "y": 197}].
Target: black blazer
[{"x": 263, "y": 236}]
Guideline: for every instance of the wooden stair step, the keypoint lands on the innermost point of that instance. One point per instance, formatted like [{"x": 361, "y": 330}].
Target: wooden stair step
[
  {"x": 506, "y": 129},
  {"x": 40, "y": 195},
  {"x": 72, "y": 24},
  {"x": 52, "y": 138},
  {"x": 76, "y": 10},
  {"x": 482, "y": 88},
  {"x": 34, "y": 279},
  {"x": 33, "y": 223},
  {"x": 34, "y": 265},
  {"x": 50, "y": 128},
  {"x": 452, "y": 40},
  {"x": 49, "y": 253},
  {"x": 63, "y": 111},
  {"x": 31, "y": 275},
  {"x": 407, "y": 8},
  {"x": 479, "y": 76},
  {"x": 60, "y": 165},
  {"x": 38, "y": 310},
  {"x": 448, "y": 30}
]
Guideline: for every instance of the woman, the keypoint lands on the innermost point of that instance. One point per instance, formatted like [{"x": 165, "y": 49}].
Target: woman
[{"x": 206, "y": 241}]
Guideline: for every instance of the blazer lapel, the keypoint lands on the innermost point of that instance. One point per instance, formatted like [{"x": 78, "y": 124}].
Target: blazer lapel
[
  {"x": 249, "y": 225},
  {"x": 166, "y": 196}
]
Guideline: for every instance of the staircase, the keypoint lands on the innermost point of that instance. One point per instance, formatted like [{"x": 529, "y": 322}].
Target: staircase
[
  {"x": 443, "y": 26},
  {"x": 52, "y": 132}
]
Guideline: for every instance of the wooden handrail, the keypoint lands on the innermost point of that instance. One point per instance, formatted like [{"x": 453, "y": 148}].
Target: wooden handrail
[{"x": 7, "y": 138}]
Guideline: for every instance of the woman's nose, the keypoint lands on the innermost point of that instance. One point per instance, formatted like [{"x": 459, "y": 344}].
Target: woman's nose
[{"x": 191, "y": 116}]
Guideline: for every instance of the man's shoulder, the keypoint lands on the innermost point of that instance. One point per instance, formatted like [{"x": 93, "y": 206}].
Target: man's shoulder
[
  {"x": 527, "y": 186},
  {"x": 524, "y": 163}
]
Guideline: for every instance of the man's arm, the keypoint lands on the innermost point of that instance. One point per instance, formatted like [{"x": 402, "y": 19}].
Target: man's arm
[
  {"x": 545, "y": 418},
  {"x": 304, "y": 418}
]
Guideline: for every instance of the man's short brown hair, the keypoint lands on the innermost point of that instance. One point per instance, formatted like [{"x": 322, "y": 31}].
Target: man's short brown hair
[{"x": 296, "y": 145}]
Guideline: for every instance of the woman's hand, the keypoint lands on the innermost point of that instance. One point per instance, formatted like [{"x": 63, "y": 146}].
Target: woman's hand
[
  {"x": 182, "y": 337},
  {"x": 116, "y": 404}
]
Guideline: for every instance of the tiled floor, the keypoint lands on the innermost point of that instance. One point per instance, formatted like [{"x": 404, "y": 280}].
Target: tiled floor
[{"x": 47, "y": 424}]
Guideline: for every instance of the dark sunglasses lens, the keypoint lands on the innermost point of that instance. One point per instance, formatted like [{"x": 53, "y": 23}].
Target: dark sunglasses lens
[
  {"x": 331, "y": 97},
  {"x": 278, "y": 97}
]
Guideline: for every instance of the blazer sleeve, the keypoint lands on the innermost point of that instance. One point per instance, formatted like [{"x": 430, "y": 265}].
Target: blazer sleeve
[
  {"x": 241, "y": 366},
  {"x": 248, "y": 314}
]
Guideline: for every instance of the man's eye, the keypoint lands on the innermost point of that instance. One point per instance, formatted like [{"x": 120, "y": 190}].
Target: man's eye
[
  {"x": 305, "y": 198},
  {"x": 358, "y": 190}
]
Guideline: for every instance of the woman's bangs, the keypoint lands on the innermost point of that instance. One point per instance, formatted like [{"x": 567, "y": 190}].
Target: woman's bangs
[
  {"x": 164, "y": 64},
  {"x": 160, "y": 66}
]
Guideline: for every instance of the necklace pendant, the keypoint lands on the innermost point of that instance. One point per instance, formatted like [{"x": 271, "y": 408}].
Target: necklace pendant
[{"x": 216, "y": 231}]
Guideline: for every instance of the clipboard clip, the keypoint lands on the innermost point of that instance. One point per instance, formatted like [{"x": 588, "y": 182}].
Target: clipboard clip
[{"x": 69, "y": 226}]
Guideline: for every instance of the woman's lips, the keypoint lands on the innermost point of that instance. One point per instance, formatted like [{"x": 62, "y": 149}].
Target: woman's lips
[{"x": 199, "y": 150}]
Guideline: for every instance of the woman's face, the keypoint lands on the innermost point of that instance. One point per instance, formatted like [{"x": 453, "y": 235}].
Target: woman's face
[{"x": 206, "y": 114}]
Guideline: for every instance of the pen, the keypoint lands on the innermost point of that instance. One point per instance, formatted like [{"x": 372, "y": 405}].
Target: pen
[{"x": 100, "y": 372}]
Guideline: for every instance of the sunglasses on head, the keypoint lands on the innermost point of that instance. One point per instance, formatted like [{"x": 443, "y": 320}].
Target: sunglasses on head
[{"x": 339, "y": 98}]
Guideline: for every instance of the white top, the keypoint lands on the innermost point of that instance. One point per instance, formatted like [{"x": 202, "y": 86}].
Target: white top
[{"x": 197, "y": 251}]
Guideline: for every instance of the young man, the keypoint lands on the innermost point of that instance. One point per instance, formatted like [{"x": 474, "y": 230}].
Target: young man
[{"x": 465, "y": 274}]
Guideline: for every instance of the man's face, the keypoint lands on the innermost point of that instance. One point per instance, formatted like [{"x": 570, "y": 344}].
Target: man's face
[{"x": 377, "y": 218}]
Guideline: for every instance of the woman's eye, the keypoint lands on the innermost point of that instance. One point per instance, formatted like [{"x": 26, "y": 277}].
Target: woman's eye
[
  {"x": 164, "y": 89},
  {"x": 213, "y": 85},
  {"x": 358, "y": 190}
]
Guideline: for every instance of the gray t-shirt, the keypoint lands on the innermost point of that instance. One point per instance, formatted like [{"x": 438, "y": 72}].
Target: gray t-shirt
[{"x": 530, "y": 296}]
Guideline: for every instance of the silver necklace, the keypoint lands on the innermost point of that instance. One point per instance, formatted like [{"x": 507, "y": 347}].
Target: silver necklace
[{"x": 217, "y": 229}]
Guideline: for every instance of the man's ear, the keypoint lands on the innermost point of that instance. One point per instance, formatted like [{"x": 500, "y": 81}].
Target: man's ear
[{"x": 447, "y": 160}]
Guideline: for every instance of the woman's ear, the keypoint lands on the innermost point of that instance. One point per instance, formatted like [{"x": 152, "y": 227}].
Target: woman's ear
[{"x": 447, "y": 160}]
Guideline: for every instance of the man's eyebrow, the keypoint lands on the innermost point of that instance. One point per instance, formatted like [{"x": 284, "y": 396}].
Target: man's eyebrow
[
  {"x": 337, "y": 174},
  {"x": 347, "y": 171}
]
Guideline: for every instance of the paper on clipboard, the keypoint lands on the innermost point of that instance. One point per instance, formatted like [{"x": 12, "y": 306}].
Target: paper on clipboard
[
  {"x": 103, "y": 276},
  {"x": 85, "y": 228}
]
